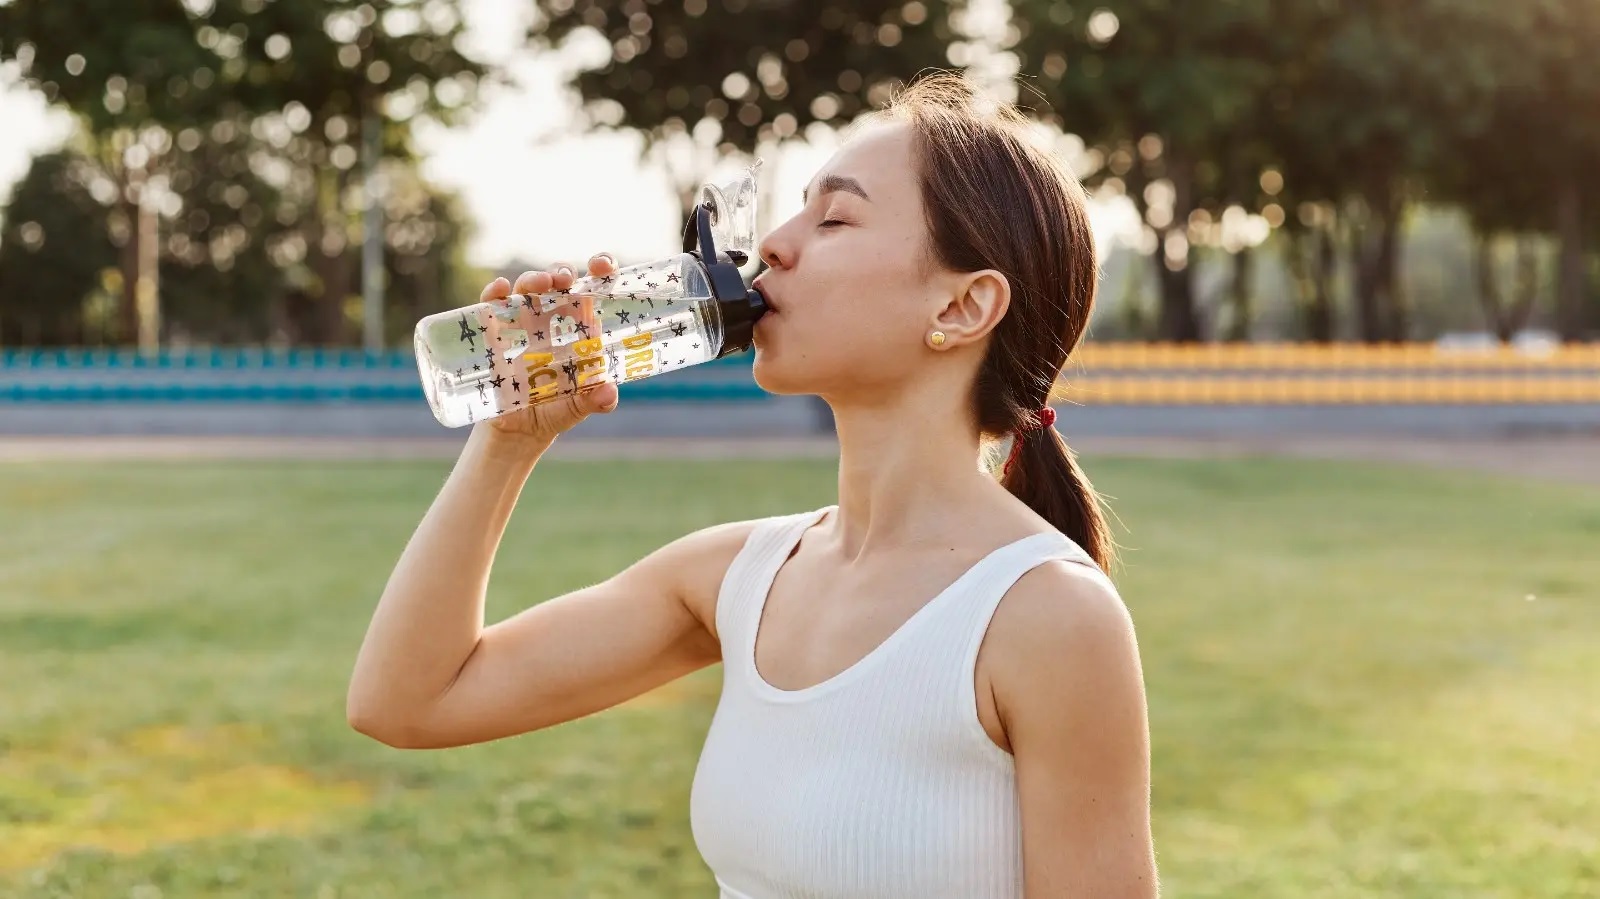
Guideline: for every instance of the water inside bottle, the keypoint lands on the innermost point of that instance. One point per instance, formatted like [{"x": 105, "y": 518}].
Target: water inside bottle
[{"x": 486, "y": 360}]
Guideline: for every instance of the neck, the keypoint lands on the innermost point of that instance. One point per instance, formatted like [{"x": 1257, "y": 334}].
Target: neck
[{"x": 904, "y": 464}]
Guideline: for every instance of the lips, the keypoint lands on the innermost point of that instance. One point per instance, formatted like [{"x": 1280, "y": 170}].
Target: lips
[{"x": 766, "y": 293}]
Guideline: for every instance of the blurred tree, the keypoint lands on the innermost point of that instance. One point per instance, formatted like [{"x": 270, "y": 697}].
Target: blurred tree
[
  {"x": 53, "y": 251},
  {"x": 709, "y": 78},
  {"x": 1168, "y": 95},
  {"x": 1378, "y": 97},
  {"x": 1548, "y": 85},
  {"x": 128, "y": 70},
  {"x": 336, "y": 70},
  {"x": 425, "y": 244},
  {"x": 221, "y": 281},
  {"x": 311, "y": 77}
]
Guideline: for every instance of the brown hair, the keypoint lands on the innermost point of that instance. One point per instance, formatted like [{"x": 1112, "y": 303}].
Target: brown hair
[{"x": 994, "y": 200}]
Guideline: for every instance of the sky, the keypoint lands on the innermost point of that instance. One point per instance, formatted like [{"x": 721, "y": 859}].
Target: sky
[{"x": 514, "y": 166}]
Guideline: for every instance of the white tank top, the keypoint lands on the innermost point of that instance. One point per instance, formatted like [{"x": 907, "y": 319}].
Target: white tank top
[{"x": 879, "y": 782}]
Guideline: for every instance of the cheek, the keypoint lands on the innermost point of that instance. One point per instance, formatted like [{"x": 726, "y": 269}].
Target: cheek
[{"x": 851, "y": 340}]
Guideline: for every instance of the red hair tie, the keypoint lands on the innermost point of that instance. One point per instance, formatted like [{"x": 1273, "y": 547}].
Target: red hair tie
[{"x": 1046, "y": 419}]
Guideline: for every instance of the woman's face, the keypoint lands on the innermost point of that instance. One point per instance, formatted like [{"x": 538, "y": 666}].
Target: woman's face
[{"x": 851, "y": 288}]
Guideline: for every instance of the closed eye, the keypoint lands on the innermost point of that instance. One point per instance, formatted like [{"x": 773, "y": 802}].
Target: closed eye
[{"x": 831, "y": 223}]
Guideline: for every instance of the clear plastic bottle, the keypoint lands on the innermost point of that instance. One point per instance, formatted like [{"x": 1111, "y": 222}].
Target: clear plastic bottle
[{"x": 487, "y": 359}]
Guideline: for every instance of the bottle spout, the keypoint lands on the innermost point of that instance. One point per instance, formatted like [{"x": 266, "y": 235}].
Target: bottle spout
[
  {"x": 727, "y": 213},
  {"x": 733, "y": 215}
]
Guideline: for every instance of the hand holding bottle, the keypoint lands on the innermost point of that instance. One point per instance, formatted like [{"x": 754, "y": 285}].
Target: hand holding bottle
[
  {"x": 565, "y": 341},
  {"x": 545, "y": 421}
]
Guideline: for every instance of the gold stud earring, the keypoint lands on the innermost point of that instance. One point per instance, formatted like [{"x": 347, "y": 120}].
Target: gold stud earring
[{"x": 937, "y": 338}]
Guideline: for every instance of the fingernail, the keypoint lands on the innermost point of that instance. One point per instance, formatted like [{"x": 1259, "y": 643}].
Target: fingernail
[
  {"x": 564, "y": 270},
  {"x": 610, "y": 259}
]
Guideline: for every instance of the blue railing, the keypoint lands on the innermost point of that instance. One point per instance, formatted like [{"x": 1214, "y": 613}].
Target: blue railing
[
  {"x": 647, "y": 391},
  {"x": 307, "y": 358},
  {"x": 308, "y": 375}
]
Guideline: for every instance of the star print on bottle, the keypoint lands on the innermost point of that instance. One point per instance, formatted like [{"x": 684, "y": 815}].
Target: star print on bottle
[{"x": 622, "y": 326}]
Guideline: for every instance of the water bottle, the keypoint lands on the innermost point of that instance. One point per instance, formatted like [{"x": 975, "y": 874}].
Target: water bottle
[{"x": 487, "y": 359}]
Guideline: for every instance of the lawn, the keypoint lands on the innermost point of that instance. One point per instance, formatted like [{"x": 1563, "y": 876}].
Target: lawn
[{"x": 1364, "y": 681}]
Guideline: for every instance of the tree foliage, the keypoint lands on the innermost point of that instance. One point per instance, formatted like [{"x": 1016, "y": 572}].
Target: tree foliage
[
  {"x": 53, "y": 250},
  {"x": 1324, "y": 125},
  {"x": 727, "y": 76},
  {"x": 243, "y": 116}
]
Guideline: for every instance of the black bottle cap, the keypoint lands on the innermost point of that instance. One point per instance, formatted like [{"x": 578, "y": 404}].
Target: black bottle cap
[{"x": 739, "y": 305}]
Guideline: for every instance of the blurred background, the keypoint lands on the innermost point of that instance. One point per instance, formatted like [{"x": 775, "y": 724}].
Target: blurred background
[{"x": 1342, "y": 388}]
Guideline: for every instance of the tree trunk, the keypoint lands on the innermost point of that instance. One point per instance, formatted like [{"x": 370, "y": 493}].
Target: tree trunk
[
  {"x": 1239, "y": 325},
  {"x": 148, "y": 290},
  {"x": 1570, "y": 287},
  {"x": 1321, "y": 314},
  {"x": 1395, "y": 320},
  {"x": 1527, "y": 291},
  {"x": 429, "y": 284},
  {"x": 1179, "y": 320},
  {"x": 1378, "y": 314},
  {"x": 128, "y": 263},
  {"x": 1309, "y": 256},
  {"x": 1489, "y": 288},
  {"x": 329, "y": 251}
]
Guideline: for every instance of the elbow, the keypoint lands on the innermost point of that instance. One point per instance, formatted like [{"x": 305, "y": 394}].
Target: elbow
[
  {"x": 392, "y": 730},
  {"x": 368, "y": 721},
  {"x": 395, "y": 736}
]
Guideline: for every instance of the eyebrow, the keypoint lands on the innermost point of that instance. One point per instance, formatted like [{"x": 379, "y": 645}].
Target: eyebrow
[{"x": 831, "y": 183}]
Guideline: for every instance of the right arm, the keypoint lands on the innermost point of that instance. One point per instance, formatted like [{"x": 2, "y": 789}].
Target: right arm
[{"x": 430, "y": 674}]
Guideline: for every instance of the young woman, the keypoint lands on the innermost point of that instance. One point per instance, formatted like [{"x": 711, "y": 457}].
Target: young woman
[{"x": 931, "y": 688}]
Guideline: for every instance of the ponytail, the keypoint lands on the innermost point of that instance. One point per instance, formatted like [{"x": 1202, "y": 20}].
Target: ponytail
[
  {"x": 994, "y": 198},
  {"x": 1043, "y": 472}
]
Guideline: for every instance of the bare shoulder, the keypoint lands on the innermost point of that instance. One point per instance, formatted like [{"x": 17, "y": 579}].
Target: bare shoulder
[
  {"x": 1062, "y": 631},
  {"x": 1070, "y": 697},
  {"x": 697, "y": 562},
  {"x": 1059, "y": 600}
]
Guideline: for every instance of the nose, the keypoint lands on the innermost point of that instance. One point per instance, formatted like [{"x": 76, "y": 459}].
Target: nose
[{"x": 773, "y": 251}]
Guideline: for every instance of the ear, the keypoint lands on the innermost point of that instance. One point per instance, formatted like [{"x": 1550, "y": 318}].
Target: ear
[{"x": 976, "y": 305}]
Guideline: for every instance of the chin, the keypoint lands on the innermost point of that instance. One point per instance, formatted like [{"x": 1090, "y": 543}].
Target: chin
[{"x": 768, "y": 372}]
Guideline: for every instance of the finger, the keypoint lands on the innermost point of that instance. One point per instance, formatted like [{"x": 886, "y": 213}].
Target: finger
[
  {"x": 533, "y": 282},
  {"x": 497, "y": 289},
  {"x": 561, "y": 275},
  {"x": 601, "y": 397},
  {"x": 602, "y": 264}
]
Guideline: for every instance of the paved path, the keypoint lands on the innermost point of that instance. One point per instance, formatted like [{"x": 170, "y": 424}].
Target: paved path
[{"x": 1565, "y": 458}]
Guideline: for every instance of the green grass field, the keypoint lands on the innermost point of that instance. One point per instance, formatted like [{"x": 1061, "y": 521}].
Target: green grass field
[{"x": 1363, "y": 681}]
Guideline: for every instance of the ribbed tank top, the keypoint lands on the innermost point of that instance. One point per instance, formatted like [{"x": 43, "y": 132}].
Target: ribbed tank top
[{"x": 878, "y": 782}]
